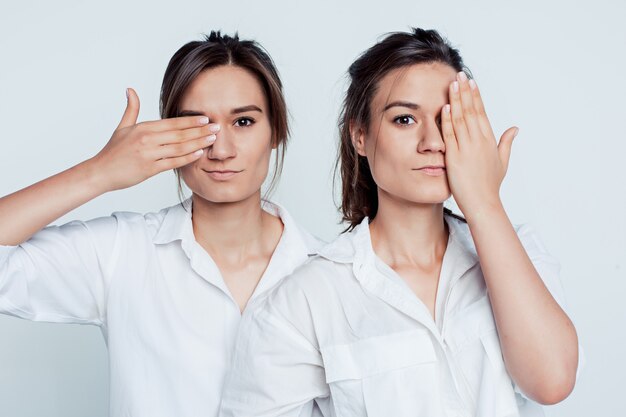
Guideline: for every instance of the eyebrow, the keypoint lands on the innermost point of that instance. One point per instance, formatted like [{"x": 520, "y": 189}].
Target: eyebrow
[
  {"x": 244, "y": 109},
  {"x": 407, "y": 104},
  {"x": 236, "y": 110}
]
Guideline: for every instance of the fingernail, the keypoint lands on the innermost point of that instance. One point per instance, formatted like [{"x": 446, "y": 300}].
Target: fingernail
[
  {"x": 516, "y": 132},
  {"x": 455, "y": 86},
  {"x": 211, "y": 139},
  {"x": 127, "y": 94},
  {"x": 446, "y": 109},
  {"x": 199, "y": 152},
  {"x": 214, "y": 128},
  {"x": 203, "y": 120},
  {"x": 462, "y": 76},
  {"x": 472, "y": 84}
]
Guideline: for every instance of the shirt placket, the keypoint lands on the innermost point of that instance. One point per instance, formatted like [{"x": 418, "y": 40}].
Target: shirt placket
[
  {"x": 459, "y": 399},
  {"x": 456, "y": 264}
]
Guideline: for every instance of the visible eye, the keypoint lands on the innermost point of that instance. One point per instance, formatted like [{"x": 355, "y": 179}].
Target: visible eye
[
  {"x": 244, "y": 122},
  {"x": 405, "y": 119}
]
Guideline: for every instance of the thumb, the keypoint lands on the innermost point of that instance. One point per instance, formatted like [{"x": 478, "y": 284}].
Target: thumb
[
  {"x": 132, "y": 109},
  {"x": 505, "y": 144}
]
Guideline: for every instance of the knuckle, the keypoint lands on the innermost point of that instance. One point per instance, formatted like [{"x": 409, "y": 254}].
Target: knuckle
[
  {"x": 203, "y": 142},
  {"x": 167, "y": 164},
  {"x": 144, "y": 138},
  {"x": 173, "y": 163},
  {"x": 179, "y": 136},
  {"x": 177, "y": 149},
  {"x": 141, "y": 153}
]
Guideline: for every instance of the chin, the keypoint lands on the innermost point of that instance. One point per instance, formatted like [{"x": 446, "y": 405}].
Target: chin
[
  {"x": 227, "y": 195},
  {"x": 425, "y": 195},
  {"x": 427, "y": 200}
]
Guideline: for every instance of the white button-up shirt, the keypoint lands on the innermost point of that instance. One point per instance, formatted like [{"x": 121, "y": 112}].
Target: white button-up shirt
[
  {"x": 166, "y": 314},
  {"x": 346, "y": 331}
]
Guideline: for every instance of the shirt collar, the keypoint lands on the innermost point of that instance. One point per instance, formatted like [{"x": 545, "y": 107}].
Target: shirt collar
[
  {"x": 177, "y": 225},
  {"x": 293, "y": 249},
  {"x": 294, "y": 237},
  {"x": 356, "y": 246},
  {"x": 461, "y": 248}
]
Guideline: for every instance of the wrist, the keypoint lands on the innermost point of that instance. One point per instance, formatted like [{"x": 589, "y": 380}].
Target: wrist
[
  {"x": 95, "y": 177},
  {"x": 483, "y": 210}
]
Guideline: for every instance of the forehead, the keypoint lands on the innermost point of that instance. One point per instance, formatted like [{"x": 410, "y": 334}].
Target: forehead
[
  {"x": 423, "y": 84},
  {"x": 223, "y": 88}
]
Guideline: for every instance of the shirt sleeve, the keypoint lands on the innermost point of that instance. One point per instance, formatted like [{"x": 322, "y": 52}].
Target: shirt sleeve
[
  {"x": 277, "y": 369},
  {"x": 61, "y": 274},
  {"x": 549, "y": 270}
]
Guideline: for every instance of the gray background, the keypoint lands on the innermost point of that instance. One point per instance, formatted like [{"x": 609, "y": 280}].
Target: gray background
[{"x": 555, "y": 69}]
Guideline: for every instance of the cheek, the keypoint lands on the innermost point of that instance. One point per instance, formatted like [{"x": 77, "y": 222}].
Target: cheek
[
  {"x": 258, "y": 147},
  {"x": 189, "y": 176},
  {"x": 389, "y": 156}
]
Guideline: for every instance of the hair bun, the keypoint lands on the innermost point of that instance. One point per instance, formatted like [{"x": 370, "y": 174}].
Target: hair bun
[{"x": 217, "y": 37}]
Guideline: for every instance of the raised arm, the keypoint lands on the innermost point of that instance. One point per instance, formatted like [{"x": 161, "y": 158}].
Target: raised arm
[
  {"x": 135, "y": 152},
  {"x": 539, "y": 342}
]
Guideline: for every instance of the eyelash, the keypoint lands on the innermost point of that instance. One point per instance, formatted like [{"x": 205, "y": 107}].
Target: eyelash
[
  {"x": 397, "y": 119},
  {"x": 250, "y": 121}
]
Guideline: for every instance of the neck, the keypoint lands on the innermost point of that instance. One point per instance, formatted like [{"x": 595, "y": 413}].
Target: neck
[
  {"x": 229, "y": 228},
  {"x": 408, "y": 233}
]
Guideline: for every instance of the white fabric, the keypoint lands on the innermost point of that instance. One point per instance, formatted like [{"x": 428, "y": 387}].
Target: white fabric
[
  {"x": 165, "y": 312},
  {"x": 347, "y": 332}
]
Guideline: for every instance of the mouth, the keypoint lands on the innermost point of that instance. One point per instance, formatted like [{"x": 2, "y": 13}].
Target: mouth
[
  {"x": 221, "y": 174},
  {"x": 432, "y": 170}
]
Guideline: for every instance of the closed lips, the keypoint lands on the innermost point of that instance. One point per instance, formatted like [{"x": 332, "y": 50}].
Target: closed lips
[
  {"x": 433, "y": 167},
  {"x": 433, "y": 170},
  {"x": 221, "y": 175},
  {"x": 220, "y": 171}
]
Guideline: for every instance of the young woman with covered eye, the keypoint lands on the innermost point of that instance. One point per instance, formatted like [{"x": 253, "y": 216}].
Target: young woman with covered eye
[
  {"x": 166, "y": 288},
  {"x": 414, "y": 311}
]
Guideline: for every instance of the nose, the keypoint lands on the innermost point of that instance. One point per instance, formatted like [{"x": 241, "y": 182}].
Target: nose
[
  {"x": 223, "y": 148},
  {"x": 431, "y": 138}
]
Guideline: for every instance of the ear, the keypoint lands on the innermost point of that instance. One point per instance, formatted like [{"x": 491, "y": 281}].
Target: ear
[{"x": 357, "y": 135}]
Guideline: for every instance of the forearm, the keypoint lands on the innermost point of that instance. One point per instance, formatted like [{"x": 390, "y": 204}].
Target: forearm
[
  {"x": 538, "y": 340},
  {"x": 27, "y": 211}
]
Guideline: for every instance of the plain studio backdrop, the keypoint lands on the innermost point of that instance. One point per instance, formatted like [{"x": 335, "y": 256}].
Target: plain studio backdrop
[{"x": 554, "y": 69}]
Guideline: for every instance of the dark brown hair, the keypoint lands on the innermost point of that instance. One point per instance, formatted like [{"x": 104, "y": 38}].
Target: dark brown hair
[
  {"x": 396, "y": 50},
  {"x": 217, "y": 50}
]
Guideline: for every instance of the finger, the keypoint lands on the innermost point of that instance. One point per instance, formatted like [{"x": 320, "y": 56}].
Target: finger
[
  {"x": 504, "y": 147},
  {"x": 175, "y": 123},
  {"x": 172, "y": 163},
  {"x": 178, "y": 136},
  {"x": 184, "y": 148},
  {"x": 469, "y": 112},
  {"x": 481, "y": 114},
  {"x": 456, "y": 112},
  {"x": 447, "y": 131},
  {"x": 132, "y": 109}
]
